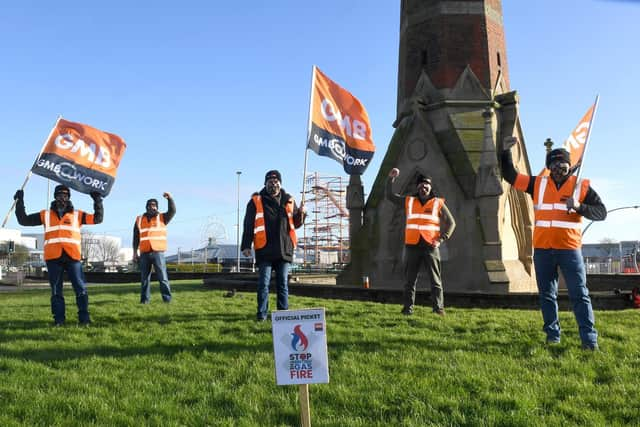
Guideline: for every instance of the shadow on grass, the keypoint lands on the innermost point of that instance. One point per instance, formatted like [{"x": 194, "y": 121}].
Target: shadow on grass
[
  {"x": 172, "y": 317},
  {"x": 17, "y": 330},
  {"x": 53, "y": 354},
  {"x": 518, "y": 348},
  {"x": 128, "y": 288},
  {"x": 165, "y": 350},
  {"x": 32, "y": 329}
]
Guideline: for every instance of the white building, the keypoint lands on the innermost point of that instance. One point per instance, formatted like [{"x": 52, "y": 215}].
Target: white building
[
  {"x": 16, "y": 236},
  {"x": 96, "y": 247}
]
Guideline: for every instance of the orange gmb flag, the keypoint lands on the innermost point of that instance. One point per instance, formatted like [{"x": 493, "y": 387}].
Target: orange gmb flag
[
  {"x": 81, "y": 157},
  {"x": 577, "y": 140},
  {"x": 339, "y": 125}
]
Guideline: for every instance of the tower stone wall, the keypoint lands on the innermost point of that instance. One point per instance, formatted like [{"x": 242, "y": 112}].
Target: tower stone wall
[
  {"x": 442, "y": 38},
  {"x": 454, "y": 108}
]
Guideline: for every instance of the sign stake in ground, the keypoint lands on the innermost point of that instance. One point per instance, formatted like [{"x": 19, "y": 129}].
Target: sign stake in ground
[
  {"x": 300, "y": 352},
  {"x": 305, "y": 409}
]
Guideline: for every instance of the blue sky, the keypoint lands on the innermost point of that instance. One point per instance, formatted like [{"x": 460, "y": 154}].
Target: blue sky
[{"x": 202, "y": 89}]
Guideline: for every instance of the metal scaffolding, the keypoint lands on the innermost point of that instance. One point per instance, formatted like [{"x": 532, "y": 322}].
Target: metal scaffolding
[{"x": 325, "y": 238}]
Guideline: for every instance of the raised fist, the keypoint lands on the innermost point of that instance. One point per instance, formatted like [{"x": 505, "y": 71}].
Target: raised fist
[{"x": 19, "y": 195}]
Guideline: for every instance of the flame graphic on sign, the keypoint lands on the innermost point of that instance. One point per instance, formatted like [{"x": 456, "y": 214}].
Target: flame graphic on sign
[{"x": 299, "y": 341}]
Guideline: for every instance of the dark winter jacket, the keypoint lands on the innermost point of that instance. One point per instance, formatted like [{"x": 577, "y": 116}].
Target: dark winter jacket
[
  {"x": 166, "y": 217},
  {"x": 591, "y": 207},
  {"x": 34, "y": 218},
  {"x": 279, "y": 245}
]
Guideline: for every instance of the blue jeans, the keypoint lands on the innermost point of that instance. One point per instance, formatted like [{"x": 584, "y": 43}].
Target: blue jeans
[
  {"x": 55, "y": 271},
  {"x": 264, "y": 277},
  {"x": 147, "y": 259},
  {"x": 547, "y": 262}
]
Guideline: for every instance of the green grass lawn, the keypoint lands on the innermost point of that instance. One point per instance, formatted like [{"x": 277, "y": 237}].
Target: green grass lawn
[{"x": 202, "y": 360}]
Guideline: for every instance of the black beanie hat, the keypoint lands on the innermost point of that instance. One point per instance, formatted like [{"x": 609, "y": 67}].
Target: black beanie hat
[
  {"x": 423, "y": 178},
  {"x": 61, "y": 189},
  {"x": 558, "y": 154},
  {"x": 272, "y": 174},
  {"x": 152, "y": 200}
]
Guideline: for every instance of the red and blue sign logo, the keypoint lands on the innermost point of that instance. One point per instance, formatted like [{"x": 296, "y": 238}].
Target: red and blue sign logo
[{"x": 299, "y": 341}]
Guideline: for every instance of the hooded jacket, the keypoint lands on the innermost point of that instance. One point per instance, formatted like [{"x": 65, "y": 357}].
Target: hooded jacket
[{"x": 279, "y": 244}]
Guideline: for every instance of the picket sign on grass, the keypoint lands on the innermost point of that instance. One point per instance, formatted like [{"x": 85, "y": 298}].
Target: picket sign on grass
[{"x": 300, "y": 352}]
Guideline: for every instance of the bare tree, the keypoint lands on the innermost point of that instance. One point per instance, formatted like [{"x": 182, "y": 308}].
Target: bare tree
[
  {"x": 88, "y": 245},
  {"x": 108, "y": 250},
  {"x": 99, "y": 248}
]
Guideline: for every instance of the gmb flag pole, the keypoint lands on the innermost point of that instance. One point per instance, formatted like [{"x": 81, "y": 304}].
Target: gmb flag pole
[
  {"x": 576, "y": 143},
  {"x": 26, "y": 179},
  {"x": 79, "y": 156},
  {"x": 338, "y": 126}
]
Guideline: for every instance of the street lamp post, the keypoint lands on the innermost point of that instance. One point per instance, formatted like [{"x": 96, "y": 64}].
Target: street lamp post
[
  {"x": 608, "y": 212},
  {"x": 238, "y": 226},
  {"x": 620, "y": 244}
]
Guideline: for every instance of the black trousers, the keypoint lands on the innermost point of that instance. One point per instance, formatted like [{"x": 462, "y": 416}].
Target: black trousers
[{"x": 415, "y": 256}]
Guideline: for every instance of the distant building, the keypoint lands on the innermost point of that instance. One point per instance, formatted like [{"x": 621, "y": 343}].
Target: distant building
[
  {"x": 619, "y": 257},
  {"x": 16, "y": 236},
  {"x": 96, "y": 247},
  {"x": 223, "y": 254}
]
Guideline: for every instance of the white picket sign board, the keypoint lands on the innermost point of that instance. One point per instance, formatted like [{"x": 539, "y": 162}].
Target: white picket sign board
[{"x": 300, "y": 346}]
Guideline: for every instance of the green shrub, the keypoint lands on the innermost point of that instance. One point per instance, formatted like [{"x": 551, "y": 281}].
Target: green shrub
[{"x": 195, "y": 268}]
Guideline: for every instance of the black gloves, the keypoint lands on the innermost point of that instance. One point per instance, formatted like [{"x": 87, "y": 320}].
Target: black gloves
[
  {"x": 19, "y": 195},
  {"x": 97, "y": 198}
]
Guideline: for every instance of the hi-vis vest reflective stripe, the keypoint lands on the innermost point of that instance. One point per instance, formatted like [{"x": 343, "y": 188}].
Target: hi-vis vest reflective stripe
[
  {"x": 153, "y": 233},
  {"x": 62, "y": 233},
  {"x": 422, "y": 220},
  {"x": 259, "y": 231},
  {"x": 555, "y": 227}
]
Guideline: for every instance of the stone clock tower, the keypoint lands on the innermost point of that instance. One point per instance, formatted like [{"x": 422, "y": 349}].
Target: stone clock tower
[
  {"x": 454, "y": 108},
  {"x": 442, "y": 38}
]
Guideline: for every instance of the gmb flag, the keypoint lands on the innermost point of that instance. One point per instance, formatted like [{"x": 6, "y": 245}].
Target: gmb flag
[
  {"x": 577, "y": 141},
  {"x": 81, "y": 157},
  {"x": 339, "y": 125}
]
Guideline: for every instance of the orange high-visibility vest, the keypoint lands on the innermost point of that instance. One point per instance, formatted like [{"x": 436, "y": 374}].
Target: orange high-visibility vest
[
  {"x": 555, "y": 227},
  {"x": 259, "y": 231},
  {"x": 422, "y": 220},
  {"x": 153, "y": 233},
  {"x": 63, "y": 233}
]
